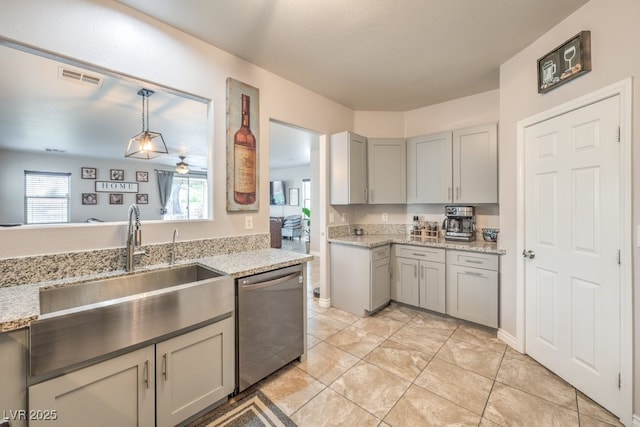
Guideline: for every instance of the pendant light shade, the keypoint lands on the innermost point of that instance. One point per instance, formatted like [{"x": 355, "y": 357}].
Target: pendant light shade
[
  {"x": 181, "y": 166},
  {"x": 146, "y": 145}
]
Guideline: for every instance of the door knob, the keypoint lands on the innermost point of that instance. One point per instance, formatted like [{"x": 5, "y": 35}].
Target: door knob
[{"x": 528, "y": 254}]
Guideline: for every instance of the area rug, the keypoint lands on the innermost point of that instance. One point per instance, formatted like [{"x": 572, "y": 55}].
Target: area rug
[{"x": 251, "y": 410}]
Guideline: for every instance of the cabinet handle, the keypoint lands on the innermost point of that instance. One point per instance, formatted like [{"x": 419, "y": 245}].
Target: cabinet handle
[
  {"x": 417, "y": 254},
  {"x": 457, "y": 193},
  {"x": 448, "y": 193},
  {"x": 421, "y": 273},
  {"x": 473, "y": 273},
  {"x": 165, "y": 368},
  {"x": 370, "y": 196},
  {"x": 472, "y": 261},
  {"x": 146, "y": 373},
  {"x": 365, "y": 195},
  {"x": 415, "y": 271}
]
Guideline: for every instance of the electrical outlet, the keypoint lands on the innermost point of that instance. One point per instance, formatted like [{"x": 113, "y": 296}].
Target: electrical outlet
[
  {"x": 331, "y": 217},
  {"x": 385, "y": 216},
  {"x": 248, "y": 222},
  {"x": 344, "y": 217}
]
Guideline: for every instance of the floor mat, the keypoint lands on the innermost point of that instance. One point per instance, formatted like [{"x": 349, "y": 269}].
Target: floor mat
[{"x": 251, "y": 410}]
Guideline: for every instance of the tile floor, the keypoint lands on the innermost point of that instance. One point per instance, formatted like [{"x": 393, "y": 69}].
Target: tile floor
[{"x": 405, "y": 367}]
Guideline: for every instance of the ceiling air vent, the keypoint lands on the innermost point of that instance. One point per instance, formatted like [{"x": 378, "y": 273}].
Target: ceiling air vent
[{"x": 80, "y": 77}]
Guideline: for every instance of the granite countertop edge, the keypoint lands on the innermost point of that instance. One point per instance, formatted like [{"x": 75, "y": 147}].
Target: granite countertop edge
[
  {"x": 20, "y": 305},
  {"x": 375, "y": 240}
]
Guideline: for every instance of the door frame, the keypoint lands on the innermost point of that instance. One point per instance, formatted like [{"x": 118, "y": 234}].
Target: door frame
[{"x": 624, "y": 89}]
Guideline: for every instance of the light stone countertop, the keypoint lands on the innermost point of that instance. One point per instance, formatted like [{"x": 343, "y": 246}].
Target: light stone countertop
[
  {"x": 374, "y": 240},
  {"x": 19, "y": 305}
]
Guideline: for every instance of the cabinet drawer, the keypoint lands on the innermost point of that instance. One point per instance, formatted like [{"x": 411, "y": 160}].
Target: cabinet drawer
[
  {"x": 381, "y": 252},
  {"x": 421, "y": 253},
  {"x": 473, "y": 259}
]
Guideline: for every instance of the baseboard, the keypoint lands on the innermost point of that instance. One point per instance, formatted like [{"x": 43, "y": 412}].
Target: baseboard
[
  {"x": 636, "y": 421},
  {"x": 509, "y": 340},
  {"x": 324, "y": 302}
]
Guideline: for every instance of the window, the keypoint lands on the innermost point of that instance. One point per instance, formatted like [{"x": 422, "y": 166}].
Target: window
[
  {"x": 306, "y": 193},
  {"x": 46, "y": 197},
  {"x": 188, "y": 198}
]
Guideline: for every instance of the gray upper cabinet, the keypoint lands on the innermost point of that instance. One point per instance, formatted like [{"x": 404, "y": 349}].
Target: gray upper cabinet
[
  {"x": 454, "y": 167},
  {"x": 387, "y": 160},
  {"x": 348, "y": 153},
  {"x": 429, "y": 168},
  {"x": 475, "y": 164}
]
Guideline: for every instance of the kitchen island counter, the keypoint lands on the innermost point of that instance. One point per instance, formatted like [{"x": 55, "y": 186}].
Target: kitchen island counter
[{"x": 20, "y": 305}]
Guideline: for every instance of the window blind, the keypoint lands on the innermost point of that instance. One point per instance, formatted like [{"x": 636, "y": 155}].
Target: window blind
[{"x": 46, "y": 197}]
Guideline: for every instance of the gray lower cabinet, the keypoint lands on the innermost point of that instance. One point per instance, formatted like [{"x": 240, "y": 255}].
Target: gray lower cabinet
[
  {"x": 472, "y": 287},
  {"x": 419, "y": 277},
  {"x": 360, "y": 278},
  {"x": 13, "y": 372},
  {"x": 175, "y": 378}
]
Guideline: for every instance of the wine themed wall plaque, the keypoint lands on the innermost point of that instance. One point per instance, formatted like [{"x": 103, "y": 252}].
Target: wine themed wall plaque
[
  {"x": 243, "y": 134},
  {"x": 565, "y": 63}
]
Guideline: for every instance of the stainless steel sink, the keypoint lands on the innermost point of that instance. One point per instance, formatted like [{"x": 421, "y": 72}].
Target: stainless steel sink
[
  {"x": 63, "y": 298},
  {"x": 90, "y": 321}
]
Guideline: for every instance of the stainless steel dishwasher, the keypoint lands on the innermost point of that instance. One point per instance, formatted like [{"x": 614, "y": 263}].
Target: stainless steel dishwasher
[{"x": 270, "y": 316}]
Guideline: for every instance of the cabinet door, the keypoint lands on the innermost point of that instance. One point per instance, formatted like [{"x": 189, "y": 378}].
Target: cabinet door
[
  {"x": 432, "y": 286},
  {"x": 194, "y": 371},
  {"x": 117, "y": 392},
  {"x": 13, "y": 371},
  {"x": 405, "y": 282},
  {"x": 350, "y": 278},
  {"x": 475, "y": 169},
  {"x": 380, "y": 284},
  {"x": 429, "y": 169},
  {"x": 387, "y": 176},
  {"x": 348, "y": 177},
  {"x": 472, "y": 294}
]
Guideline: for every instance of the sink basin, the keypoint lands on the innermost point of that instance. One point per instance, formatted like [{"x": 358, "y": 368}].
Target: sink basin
[
  {"x": 63, "y": 298},
  {"x": 91, "y": 321}
]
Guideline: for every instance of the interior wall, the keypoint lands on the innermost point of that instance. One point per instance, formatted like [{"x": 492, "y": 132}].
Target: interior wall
[
  {"x": 112, "y": 36},
  {"x": 614, "y": 36}
]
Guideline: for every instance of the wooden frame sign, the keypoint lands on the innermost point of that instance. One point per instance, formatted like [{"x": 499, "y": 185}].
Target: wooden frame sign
[
  {"x": 116, "y": 187},
  {"x": 565, "y": 63}
]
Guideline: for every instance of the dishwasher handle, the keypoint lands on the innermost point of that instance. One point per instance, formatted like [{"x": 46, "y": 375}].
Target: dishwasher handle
[{"x": 273, "y": 282}]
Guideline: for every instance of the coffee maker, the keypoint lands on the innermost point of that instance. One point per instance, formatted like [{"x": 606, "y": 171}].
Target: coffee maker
[{"x": 460, "y": 223}]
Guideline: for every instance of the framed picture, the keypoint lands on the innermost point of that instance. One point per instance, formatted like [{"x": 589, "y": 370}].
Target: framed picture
[
  {"x": 89, "y": 199},
  {"x": 116, "y": 198},
  {"x": 293, "y": 197},
  {"x": 565, "y": 63},
  {"x": 89, "y": 173},
  {"x": 142, "y": 176},
  {"x": 117, "y": 175},
  {"x": 142, "y": 199},
  {"x": 243, "y": 136}
]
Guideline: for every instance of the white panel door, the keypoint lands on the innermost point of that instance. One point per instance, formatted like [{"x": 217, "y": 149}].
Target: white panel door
[{"x": 572, "y": 275}]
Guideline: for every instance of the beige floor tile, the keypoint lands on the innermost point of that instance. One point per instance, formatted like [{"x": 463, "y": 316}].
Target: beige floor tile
[
  {"x": 471, "y": 357},
  {"x": 330, "y": 409},
  {"x": 291, "y": 388},
  {"x": 508, "y": 406},
  {"x": 419, "y": 407},
  {"x": 465, "y": 388},
  {"x": 371, "y": 388},
  {"x": 341, "y": 315},
  {"x": 513, "y": 354},
  {"x": 589, "y": 408},
  {"x": 486, "y": 423},
  {"x": 321, "y": 326},
  {"x": 355, "y": 341},
  {"x": 326, "y": 362},
  {"x": 379, "y": 325},
  {"x": 538, "y": 381},
  {"x": 312, "y": 341},
  {"x": 586, "y": 421},
  {"x": 418, "y": 338},
  {"x": 399, "y": 359},
  {"x": 436, "y": 324},
  {"x": 398, "y": 312},
  {"x": 479, "y": 337}
]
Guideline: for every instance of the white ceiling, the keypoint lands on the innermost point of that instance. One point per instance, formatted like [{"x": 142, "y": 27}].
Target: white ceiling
[
  {"x": 371, "y": 55},
  {"x": 289, "y": 146}
]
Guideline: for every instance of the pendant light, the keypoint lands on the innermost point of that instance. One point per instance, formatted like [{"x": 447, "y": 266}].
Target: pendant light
[
  {"x": 146, "y": 145},
  {"x": 181, "y": 166}
]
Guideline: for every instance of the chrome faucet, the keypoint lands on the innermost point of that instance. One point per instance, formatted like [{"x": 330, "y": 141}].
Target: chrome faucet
[
  {"x": 173, "y": 247},
  {"x": 134, "y": 237}
]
